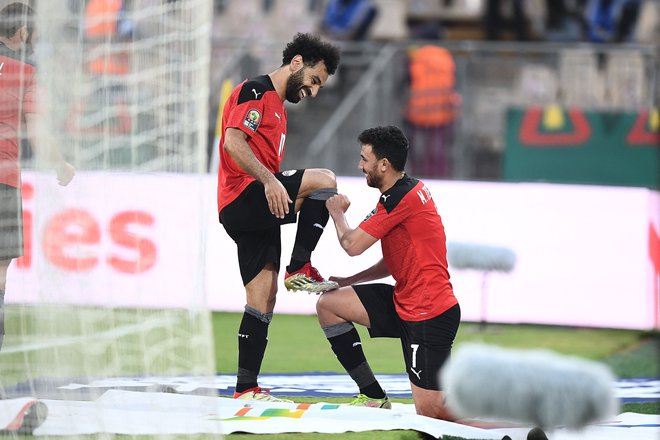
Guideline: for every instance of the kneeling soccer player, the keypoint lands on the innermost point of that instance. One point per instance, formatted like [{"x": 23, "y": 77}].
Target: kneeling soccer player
[{"x": 420, "y": 309}]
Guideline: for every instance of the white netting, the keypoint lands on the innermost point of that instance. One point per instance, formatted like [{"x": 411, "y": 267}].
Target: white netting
[
  {"x": 134, "y": 98},
  {"x": 111, "y": 284}
]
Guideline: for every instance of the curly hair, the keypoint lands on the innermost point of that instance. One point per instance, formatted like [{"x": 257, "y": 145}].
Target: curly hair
[
  {"x": 387, "y": 143},
  {"x": 13, "y": 17},
  {"x": 312, "y": 49}
]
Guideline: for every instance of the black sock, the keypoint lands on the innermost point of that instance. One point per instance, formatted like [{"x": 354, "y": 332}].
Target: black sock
[
  {"x": 252, "y": 340},
  {"x": 312, "y": 219},
  {"x": 373, "y": 391},
  {"x": 348, "y": 349}
]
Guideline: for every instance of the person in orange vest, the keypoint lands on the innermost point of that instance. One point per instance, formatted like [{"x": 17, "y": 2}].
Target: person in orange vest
[
  {"x": 431, "y": 110},
  {"x": 105, "y": 22}
]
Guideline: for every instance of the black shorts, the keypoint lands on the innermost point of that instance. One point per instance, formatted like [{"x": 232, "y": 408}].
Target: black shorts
[
  {"x": 426, "y": 345},
  {"x": 256, "y": 231},
  {"x": 11, "y": 222}
]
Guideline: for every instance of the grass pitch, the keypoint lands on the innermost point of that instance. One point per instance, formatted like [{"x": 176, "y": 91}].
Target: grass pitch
[{"x": 296, "y": 344}]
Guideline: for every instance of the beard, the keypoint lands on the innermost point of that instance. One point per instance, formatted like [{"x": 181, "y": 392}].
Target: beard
[
  {"x": 373, "y": 180},
  {"x": 293, "y": 86}
]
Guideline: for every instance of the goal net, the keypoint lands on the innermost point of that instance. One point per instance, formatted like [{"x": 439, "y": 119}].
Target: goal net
[{"x": 110, "y": 290}]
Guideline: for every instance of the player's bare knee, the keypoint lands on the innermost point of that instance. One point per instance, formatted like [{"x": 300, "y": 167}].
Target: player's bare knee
[
  {"x": 325, "y": 310},
  {"x": 329, "y": 179},
  {"x": 322, "y": 178},
  {"x": 434, "y": 410},
  {"x": 426, "y": 410},
  {"x": 321, "y": 305}
]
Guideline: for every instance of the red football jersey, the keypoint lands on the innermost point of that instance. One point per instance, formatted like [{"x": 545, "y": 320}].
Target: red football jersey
[
  {"x": 255, "y": 108},
  {"x": 17, "y": 97},
  {"x": 413, "y": 240}
]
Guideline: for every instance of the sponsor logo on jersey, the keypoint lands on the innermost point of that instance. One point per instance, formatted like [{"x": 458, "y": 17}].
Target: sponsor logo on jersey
[{"x": 252, "y": 119}]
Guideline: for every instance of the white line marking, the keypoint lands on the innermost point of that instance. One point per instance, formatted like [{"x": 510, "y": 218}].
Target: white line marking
[{"x": 110, "y": 334}]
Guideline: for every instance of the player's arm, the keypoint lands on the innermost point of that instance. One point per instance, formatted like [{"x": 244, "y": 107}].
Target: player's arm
[
  {"x": 375, "y": 272},
  {"x": 237, "y": 147},
  {"x": 65, "y": 171},
  {"x": 353, "y": 241}
]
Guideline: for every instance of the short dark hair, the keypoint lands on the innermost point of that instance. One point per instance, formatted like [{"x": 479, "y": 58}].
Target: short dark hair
[
  {"x": 312, "y": 49},
  {"x": 387, "y": 143},
  {"x": 13, "y": 17}
]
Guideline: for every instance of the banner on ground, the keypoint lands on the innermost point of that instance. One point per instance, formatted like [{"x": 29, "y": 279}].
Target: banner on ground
[{"x": 136, "y": 413}]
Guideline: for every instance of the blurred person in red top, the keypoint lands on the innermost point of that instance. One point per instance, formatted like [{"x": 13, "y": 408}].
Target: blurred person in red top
[
  {"x": 255, "y": 198},
  {"x": 420, "y": 309},
  {"x": 17, "y": 107}
]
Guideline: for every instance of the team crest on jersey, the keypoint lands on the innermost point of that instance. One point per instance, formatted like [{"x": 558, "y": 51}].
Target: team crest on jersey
[
  {"x": 252, "y": 119},
  {"x": 288, "y": 173},
  {"x": 370, "y": 214}
]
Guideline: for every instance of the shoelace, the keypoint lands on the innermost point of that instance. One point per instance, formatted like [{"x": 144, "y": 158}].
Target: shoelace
[
  {"x": 260, "y": 390},
  {"x": 361, "y": 399},
  {"x": 315, "y": 275},
  {"x": 265, "y": 393}
]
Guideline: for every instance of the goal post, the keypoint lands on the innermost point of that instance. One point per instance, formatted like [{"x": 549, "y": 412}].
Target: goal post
[{"x": 111, "y": 284}]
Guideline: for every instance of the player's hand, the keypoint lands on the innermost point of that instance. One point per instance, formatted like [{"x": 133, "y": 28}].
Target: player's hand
[
  {"x": 337, "y": 203},
  {"x": 342, "y": 281},
  {"x": 277, "y": 197},
  {"x": 65, "y": 172}
]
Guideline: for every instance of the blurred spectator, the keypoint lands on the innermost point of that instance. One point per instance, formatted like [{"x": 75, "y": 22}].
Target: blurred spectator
[
  {"x": 391, "y": 21},
  {"x": 565, "y": 21},
  {"x": 425, "y": 20},
  {"x": 106, "y": 22},
  {"x": 431, "y": 110},
  {"x": 648, "y": 23},
  {"x": 445, "y": 19},
  {"x": 348, "y": 19},
  {"x": 611, "y": 21},
  {"x": 496, "y": 21}
]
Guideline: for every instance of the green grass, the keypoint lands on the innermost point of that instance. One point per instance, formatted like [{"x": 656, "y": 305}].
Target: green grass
[{"x": 297, "y": 344}]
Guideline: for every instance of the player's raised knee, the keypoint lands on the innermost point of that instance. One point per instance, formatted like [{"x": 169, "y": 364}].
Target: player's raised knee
[{"x": 321, "y": 178}]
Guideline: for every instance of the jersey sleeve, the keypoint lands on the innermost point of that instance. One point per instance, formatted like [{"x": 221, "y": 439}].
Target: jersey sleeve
[
  {"x": 248, "y": 111},
  {"x": 246, "y": 117},
  {"x": 380, "y": 222},
  {"x": 30, "y": 90}
]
